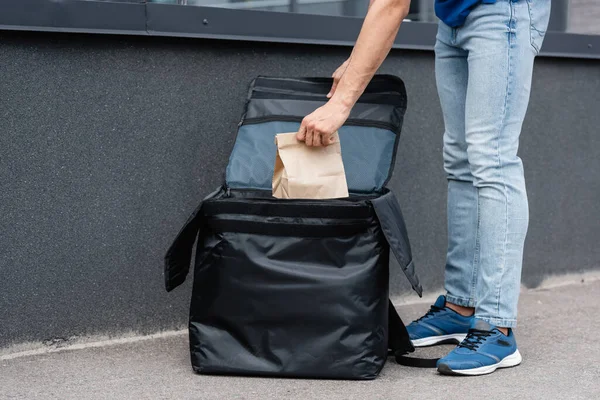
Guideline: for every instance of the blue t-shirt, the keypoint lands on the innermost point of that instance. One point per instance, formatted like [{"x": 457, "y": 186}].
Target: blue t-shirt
[{"x": 454, "y": 12}]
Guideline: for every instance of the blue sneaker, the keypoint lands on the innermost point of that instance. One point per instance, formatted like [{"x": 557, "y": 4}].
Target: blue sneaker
[
  {"x": 484, "y": 350},
  {"x": 440, "y": 325}
]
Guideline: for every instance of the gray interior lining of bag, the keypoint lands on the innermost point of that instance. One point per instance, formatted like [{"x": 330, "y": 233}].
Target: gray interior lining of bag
[{"x": 367, "y": 153}]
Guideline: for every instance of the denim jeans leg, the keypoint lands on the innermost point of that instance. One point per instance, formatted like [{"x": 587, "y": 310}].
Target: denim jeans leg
[
  {"x": 500, "y": 65},
  {"x": 451, "y": 79}
]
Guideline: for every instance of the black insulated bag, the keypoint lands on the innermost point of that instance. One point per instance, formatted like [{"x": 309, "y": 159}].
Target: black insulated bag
[{"x": 298, "y": 288}]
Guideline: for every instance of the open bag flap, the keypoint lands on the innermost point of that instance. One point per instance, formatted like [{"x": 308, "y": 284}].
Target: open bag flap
[
  {"x": 369, "y": 138},
  {"x": 179, "y": 255},
  {"x": 393, "y": 227}
]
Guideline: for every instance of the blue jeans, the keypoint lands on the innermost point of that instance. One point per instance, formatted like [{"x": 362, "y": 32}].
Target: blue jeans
[{"x": 483, "y": 73}]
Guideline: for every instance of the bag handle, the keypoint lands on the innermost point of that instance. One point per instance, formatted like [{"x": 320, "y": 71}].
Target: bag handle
[
  {"x": 399, "y": 343},
  {"x": 392, "y": 224},
  {"x": 179, "y": 255}
]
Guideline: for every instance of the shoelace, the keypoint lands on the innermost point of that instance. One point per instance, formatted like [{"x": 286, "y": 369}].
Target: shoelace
[
  {"x": 474, "y": 338},
  {"x": 434, "y": 309}
]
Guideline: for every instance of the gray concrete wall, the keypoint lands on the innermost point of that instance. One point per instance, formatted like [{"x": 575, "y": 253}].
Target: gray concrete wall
[{"x": 108, "y": 143}]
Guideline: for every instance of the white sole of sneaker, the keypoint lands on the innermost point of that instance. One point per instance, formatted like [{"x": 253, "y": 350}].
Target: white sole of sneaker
[
  {"x": 432, "y": 340},
  {"x": 509, "y": 361}
]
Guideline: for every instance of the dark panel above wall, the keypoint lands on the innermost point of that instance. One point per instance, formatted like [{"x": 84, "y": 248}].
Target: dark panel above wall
[
  {"x": 209, "y": 22},
  {"x": 141, "y": 18},
  {"x": 117, "y": 17}
]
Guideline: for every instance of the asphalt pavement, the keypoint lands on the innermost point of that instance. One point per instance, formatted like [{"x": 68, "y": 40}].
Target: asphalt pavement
[{"x": 556, "y": 336}]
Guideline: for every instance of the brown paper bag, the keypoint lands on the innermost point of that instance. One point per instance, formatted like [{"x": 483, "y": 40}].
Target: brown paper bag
[{"x": 303, "y": 172}]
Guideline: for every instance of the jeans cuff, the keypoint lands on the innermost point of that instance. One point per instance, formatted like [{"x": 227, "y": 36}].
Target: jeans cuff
[
  {"x": 460, "y": 301},
  {"x": 499, "y": 322}
]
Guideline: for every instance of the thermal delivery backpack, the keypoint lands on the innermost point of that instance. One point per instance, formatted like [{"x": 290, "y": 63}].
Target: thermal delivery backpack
[{"x": 298, "y": 288}]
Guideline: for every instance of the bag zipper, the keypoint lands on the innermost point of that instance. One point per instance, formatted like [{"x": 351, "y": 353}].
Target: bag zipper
[
  {"x": 289, "y": 95},
  {"x": 286, "y": 91},
  {"x": 342, "y": 201},
  {"x": 263, "y": 89},
  {"x": 350, "y": 121}
]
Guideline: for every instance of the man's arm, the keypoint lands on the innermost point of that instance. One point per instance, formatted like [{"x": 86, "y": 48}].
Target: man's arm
[
  {"x": 374, "y": 43},
  {"x": 337, "y": 75}
]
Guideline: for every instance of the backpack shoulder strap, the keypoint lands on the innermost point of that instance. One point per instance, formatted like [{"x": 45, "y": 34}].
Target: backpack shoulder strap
[
  {"x": 392, "y": 224},
  {"x": 399, "y": 343},
  {"x": 398, "y": 340}
]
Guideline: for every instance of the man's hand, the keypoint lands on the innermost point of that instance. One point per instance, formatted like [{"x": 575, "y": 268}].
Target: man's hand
[
  {"x": 337, "y": 75},
  {"x": 317, "y": 129}
]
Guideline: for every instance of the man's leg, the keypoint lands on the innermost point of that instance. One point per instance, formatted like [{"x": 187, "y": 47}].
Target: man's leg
[
  {"x": 447, "y": 321},
  {"x": 451, "y": 71},
  {"x": 501, "y": 55},
  {"x": 500, "y": 39}
]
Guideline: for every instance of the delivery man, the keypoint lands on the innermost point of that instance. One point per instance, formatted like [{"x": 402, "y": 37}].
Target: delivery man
[{"x": 484, "y": 56}]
